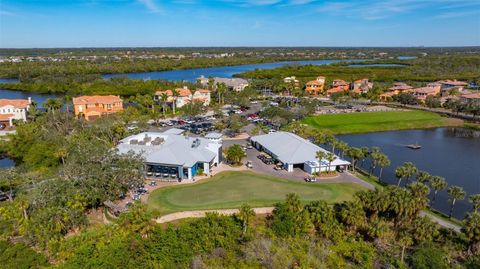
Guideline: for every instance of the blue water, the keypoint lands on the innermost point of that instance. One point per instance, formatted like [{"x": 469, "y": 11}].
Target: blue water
[
  {"x": 374, "y": 65},
  {"x": 37, "y": 97},
  {"x": 443, "y": 153},
  {"x": 191, "y": 75},
  {"x": 8, "y": 80},
  {"x": 406, "y": 57},
  {"x": 6, "y": 163}
]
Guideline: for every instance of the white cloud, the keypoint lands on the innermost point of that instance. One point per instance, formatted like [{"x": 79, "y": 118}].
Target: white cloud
[{"x": 151, "y": 5}]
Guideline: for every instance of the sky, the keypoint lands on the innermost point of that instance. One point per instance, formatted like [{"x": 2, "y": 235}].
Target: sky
[{"x": 191, "y": 23}]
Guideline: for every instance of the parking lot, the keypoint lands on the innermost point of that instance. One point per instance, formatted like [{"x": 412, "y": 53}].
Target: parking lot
[{"x": 297, "y": 174}]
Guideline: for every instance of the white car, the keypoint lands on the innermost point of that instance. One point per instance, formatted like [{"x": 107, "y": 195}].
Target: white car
[
  {"x": 254, "y": 102},
  {"x": 249, "y": 164}
]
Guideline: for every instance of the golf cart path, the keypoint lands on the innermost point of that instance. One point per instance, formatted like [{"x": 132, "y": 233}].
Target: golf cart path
[
  {"x": 202, "y": 213},
  {"x": 441, "y": 222}
]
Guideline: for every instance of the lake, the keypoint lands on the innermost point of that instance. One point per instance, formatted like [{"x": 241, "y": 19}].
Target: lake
[
  {"x": 443, "y": 153},
  {"x": 37, "y": 97},
  {"x": 191, "y": 75}
]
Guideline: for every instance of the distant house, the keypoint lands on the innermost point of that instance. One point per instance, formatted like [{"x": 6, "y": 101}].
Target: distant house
[
  {"x": 338, "y": 85},
  {"x": 233, "y": 84},
  {"x": 315, "y": 87},
  {"x": 432, "y": 89},
  {"x": 92, "y": 107},
  {"x": 202, "y": 96},
  {"x": 291, "y": 79},
  {"x": 397, "y": 88},
  {"x": 13, "y": 109},
  {"x": 448, "y": 85},
  {"x": 471, "y": 98},
  {"x": 185, "y": 96},
  {"x": 361, "y": 86}
]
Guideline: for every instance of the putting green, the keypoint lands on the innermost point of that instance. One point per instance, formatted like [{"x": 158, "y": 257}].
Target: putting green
[{"x": 232, "y": 189}]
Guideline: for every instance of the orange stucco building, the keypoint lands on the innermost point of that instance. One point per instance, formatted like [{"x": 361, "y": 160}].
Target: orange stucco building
[
  {"x": 316, "y": 86},
  {"x": 92, "y": 107}
]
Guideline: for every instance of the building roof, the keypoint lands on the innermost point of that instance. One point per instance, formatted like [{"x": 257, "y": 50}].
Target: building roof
[
  {"x": 453, "y": 82},
  {"x": 175, "y": 131},
  {"x": 4, "y": 117},
  {"x": 339, "y": 82},
  {"x": 291, "y": 148},
  {"x": 425, "y": 90},
  {"x": 182, "y": 92},
  {"x": 202, "y": 91},
  {"x": 16, "y": 103},
  {"x": 315, "y": 82},
  {"x": 400, "y": 86},
  {"x": 475, "y": 95},
  {"x": 170, "y": 149},
  {"x": 214, "y": 135},
  {"x": 96, "y": 99}
]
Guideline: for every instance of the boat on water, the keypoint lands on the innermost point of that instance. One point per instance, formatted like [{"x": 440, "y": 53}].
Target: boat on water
[{"x": 414, "y": 146}]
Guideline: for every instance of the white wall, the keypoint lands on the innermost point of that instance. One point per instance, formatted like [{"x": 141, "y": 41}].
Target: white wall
[{"x": 19, "y": 113}]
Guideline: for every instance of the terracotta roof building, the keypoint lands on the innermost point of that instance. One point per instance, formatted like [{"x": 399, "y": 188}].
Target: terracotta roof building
[
  {"x": 315, "y": 87},
  {"x": 185, "y": 96},
  {"x": 92, "y": 107},
  {"x": 13, "y": 109}
]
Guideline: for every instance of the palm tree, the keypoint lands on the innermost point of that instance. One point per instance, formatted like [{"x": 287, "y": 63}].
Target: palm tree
[
  {"x": 221, "y": 88},
  {"x": 332, "y": 141},
  {"x": 455, "y": 193},
  {"x": 175, "y": 95},
  {"x": 475, "y": 200},
  {"x": 342, "y": 146},
  {"x": 330, "y": 158},
  {"x": 420, "y": 193},
  {"x": 164, "y": 98},
  {"x": 352, "y": 214},
  {"x": 400, "y": 173},
  {"x": 423, "y": 177},
  {"x": 365, "y": 154},
  {"x": 355, "y": 154},
  {"x": 470, "y": 229},
  {"x": 383, "y": 161},
  {"x": 52, "y": 104},
  {"x": 410, "y": 170},
  {"x": 405, "y": 241},
  {"x": 437, "y": 183},
  {"x": 320, "y": 155},
  {"x": 245, "y": 214}
]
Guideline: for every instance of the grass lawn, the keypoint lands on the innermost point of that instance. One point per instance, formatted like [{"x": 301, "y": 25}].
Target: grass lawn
[
  {"x": 365, "y": 122},
  {"x": 232, "y": 189}
]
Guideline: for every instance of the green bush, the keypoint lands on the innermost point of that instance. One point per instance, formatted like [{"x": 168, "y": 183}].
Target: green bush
[
  {"x": 19, "y": 256},
  {"x": 429, "y": 256}
]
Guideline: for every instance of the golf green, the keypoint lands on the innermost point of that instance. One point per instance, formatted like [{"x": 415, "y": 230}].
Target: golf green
[
  {"x": 232, "y": 189},
  {"x": 364, "y": 122}
]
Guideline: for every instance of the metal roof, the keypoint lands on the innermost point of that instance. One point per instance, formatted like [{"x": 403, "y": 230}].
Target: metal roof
[
  {"x": 291, "y": 148},
  {"x": 173, "y": 150}
]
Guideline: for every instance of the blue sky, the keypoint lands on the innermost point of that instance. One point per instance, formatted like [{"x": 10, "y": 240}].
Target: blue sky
[{"x": 124, "y": 23}]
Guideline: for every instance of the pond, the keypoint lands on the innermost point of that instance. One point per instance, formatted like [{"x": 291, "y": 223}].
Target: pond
[
  {"x": 445, "y": 152},
  {"x": 8, "y": 80},
  {"x": 39, "y": 98},
  {"x": 222, "y": 71},
  {"x": 6, "y": 162},
  {"x": 407, "y": 57}
]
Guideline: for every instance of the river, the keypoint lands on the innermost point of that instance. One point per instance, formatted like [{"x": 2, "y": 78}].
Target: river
[
  {"x": 191, "y": 75},
  {"x": 443, "y": 153},
  {"x": 39, "y": 98}
]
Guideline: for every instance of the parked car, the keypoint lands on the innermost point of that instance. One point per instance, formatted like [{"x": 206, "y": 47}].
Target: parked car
[
  {"x": 136, "y": 197},
  {"x": 278, "y": 167},
  {"x": 153, "y": 183},
  {"x": 249, "y": 146},
  {"x": 311, "y": 179},
  {"x": 249, "y": 164},
  {"x": 149, "y": 174}
]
